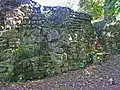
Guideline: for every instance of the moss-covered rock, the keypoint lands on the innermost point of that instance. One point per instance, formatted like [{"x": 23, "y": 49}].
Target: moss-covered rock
[
  {"x": 44, "y": 42},
  {"x": 111, "y": 36}
]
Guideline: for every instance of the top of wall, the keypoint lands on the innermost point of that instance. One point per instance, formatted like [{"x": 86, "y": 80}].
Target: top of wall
[{"x": 55, "y": 14}]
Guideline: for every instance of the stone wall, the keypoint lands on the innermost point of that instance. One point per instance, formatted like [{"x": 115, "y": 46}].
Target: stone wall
[
  {"x": 111, "y": 37},
  {"x": 43, "y": 41}
]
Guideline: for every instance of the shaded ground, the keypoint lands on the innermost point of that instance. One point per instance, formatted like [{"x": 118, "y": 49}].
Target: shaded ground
[{"x": 87, "y": 79}]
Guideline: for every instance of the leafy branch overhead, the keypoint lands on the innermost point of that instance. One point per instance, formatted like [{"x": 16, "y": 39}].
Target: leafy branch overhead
[{"x": 98, "y": 8}]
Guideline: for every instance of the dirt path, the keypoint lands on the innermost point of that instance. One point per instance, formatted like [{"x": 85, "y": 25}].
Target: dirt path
[{"x": 87, "y": 79}]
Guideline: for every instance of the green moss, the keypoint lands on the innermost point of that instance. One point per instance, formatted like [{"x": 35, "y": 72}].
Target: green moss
[{"x": 111, "y": 39}]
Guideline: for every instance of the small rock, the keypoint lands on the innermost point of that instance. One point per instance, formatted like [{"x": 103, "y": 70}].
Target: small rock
[
  {"x": 78, "y": 84},
  {"x": 111, "y": 81}
]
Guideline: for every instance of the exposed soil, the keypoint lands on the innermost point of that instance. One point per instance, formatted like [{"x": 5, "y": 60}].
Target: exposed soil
[{"x": 94, "y": 77}]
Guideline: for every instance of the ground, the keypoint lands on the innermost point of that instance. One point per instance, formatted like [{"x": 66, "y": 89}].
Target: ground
[{"x": 93, "y": 77}]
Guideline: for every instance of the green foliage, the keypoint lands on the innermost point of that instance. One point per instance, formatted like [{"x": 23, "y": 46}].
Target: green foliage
[
  {"x": 62, "y": 89},
  {"x": 111, "y": 38},
  {"x": 111, "y": 10},
  {"x": 21, "y": 53},
  {"x": 6, "y": 65},
  {"x": 98, "y": 56},
  {"x": 102, "y": 8},
  {"x": 24, "y": 52},
  {"x": 94, "y": 7},
  {"x": 99, "y": 9}
]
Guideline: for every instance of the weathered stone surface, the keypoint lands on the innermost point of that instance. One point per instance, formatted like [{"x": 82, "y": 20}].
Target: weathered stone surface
[
  {"x": 47, "y": 40},
  {"x": 111, "y": 38},
  {"x": 53, "y": 35}
]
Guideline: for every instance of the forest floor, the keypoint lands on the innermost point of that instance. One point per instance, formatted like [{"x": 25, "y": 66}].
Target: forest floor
[{"x": 99, "y": 78}]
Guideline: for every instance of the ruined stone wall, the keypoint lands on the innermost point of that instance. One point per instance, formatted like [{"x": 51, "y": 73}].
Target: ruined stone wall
[
  {"x": 44, "y": 41},
  {"x": 111, "y": 38}
]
